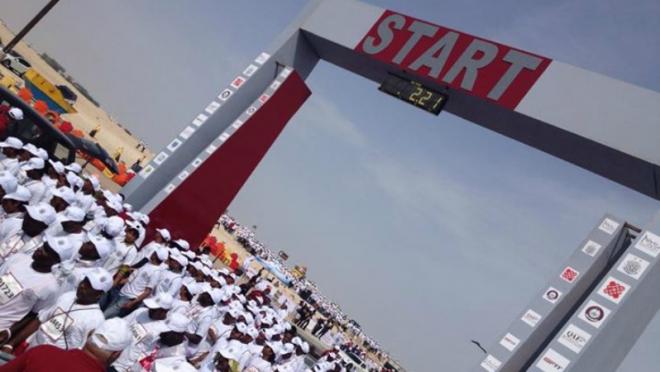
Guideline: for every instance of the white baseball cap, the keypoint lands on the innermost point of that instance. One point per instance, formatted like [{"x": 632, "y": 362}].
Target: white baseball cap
[
  {"x": 43, "y": 154},
  {"x": 179, "y": 258},
  {"x": 102, "y": 245},
  {"x": 94, "y": 181},
  {"x": 162, "y": 253},
  {"x": 12, "y": 142},
  {"x": 177, "y": 322},
  {"x": 112, "y": 335},
  {"x": 57, "y": 166},
  {"x": 183, "y": 244},
  {"x": 189, "y": 254},
  {"x": 133, "y": 225},
  {"x": 65, "y": 193},
  {"x": 73, "y": 213},
  {"x": 114, "y": 226},
  {"x": 99, "y": 278},
  {"x": 32, "y": 149},
  {"x": 16, "y": 113},
  {"x": 161, "y": 301},
  {"x": 62, "y": 246},
  {"x": 73, "y": 179},
  {"x": 216, "y": 294},
  {"x": 74, "y": 167},
  {"x": 21, "y": 194},
  {"x": 8, "y": 182},
  {"x": 164, "y": 233},
  {"x": 42, "y": 212},
  {"x": 33, "y": 163}
]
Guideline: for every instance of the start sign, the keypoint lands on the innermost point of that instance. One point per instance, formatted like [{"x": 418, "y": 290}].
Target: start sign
[{"x": 455, "y": 59}]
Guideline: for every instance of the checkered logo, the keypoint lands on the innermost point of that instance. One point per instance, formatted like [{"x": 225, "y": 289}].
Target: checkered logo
[
  {"x": 613, "y": 289},
  {"x": 569, "y": 274}
]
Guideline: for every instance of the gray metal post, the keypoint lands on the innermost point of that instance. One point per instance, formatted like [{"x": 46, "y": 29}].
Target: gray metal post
[{"x": 528, "y": 334}]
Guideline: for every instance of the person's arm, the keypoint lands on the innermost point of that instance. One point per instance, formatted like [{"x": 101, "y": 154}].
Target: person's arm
[
  {"x": 138, "y": 300},
  {"x": 23, "y": 333}
]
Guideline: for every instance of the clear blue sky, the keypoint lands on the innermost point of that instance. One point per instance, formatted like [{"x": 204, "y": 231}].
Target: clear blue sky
[{"x": 429, "y": 230}]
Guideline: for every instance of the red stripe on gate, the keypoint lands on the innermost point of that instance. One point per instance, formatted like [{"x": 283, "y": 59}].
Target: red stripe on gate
[
  {"x": 487, "y": 76},
  {"x": 191, "y": 210}
]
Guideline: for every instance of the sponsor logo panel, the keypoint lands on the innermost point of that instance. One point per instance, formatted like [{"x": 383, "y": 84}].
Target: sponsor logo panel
[
  {"x": 262, "y": 58},
  {"x": 609, "y": 226},
  {"x": 531, "y": 317},
  {"x": 237, "y": 82},
  {"x": 250, "y": 70},
  {"x": 509, "y": 341},
  {"x": 591, "y": 248},
  {"x": 633, "y": 266},
  {"x": 552, "y": 295},
  {"x": 649, "y": 243},
  {"x": 491, "y": 364},
  {"x": 594, "y": 313},
  {"x": 613, "y": 289},
  {"x": 160, "y": 158},
  {"x": 574, "y": 338},
  {"x": 569, "y": 274},
  {"x": 552, "y": 361},
  {"x": 225, "y": 94}
]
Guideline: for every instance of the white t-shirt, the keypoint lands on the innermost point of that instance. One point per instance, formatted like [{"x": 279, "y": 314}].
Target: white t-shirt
[
  {"x": 66, "y": 319},
  {"x": 23, "y": 289},
  {"x": 170, "y": 282},
  {"x": 122, "y": 254},
  {"x": 145, "y": 336},
  {"x": 256, "y": 364},
  {"x": 11, "y": 225},
  {"x": 145, "y": 277},
  {"x": 37, "y": 190}
]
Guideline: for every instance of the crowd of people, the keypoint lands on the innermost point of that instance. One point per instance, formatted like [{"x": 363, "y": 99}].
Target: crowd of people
[
  {"x": 317, "y": 313},
  {"x": 87, "y": 284}
]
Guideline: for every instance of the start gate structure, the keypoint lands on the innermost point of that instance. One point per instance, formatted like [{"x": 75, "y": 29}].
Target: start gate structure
[{"x": 601, "y": 124}]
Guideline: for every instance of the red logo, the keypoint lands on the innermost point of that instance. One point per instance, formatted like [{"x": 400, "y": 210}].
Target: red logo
[
  {"x": 461, "y": 61},
  {"x": 264, "y": 98},
  {"x": 569, "y": 274},
  {"x": 614, "y": 289},
  {"x": 238, "y": 82}
]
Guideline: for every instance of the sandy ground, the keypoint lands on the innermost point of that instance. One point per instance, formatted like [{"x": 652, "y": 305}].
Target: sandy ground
[{"x": 111, "y": 135}]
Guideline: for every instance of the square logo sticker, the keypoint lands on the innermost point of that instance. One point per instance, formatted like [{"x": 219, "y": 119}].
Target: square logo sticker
[
  {"x": 608, "y": 226},
  {"x": 263, "y": 57},
  {"x": 250, "y": 70},
  {"x": 552, "y": 295},
  {"x": 613, "y": 289},
  {"x": 569, "y": 274},
  {"x": 633, "y": 266},
  {"x": 531, "y": 317},
  {"x": 225, "y": 94},
  {"x": 649, "y": 243},
  {"x": 552, "y": 361},
  {"x": 594, "y": 313},
  {"x": 509, "y": 341},
  {"x": 491, "y": 364},
  {"x": 574, "y": 338},
  {"x": 591, "y": 248},
  {"x": 237, "y": 82}
]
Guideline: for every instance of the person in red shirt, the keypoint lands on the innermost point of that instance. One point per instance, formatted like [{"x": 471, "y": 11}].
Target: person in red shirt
[
  {"x": 8, "y": 115},
  {"x": 103, "y": 347}
]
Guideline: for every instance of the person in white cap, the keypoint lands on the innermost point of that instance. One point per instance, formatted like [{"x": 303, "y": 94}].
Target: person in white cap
[
  {"x": 173, "y": 364},
  {"x": 60, "y": 198},
  {"x": 68, "y": 322},
  {"x": 13, "y": 208},
  {"x": 69, "y": 223},
  {"x": 26, "y": 240},
  {"x": 10, "y": 148},
  {"x": 263, "y": 361},
  {"x": 139, "y": 285},
  {"x": 33, "y": 171},
  {"x": 202, "y": 315},
  {"x": 155, "y": 308},
  {"x": 180, "y": 244},
  {"x": 55, "y": 174},
  {"x": 125, "y": 250},
  {"x": 27, "y": 283},
  {"x": 233, "y": 347},
  {"x": 172, "y": 277},
  {"x": 160, "y": 240},
  {"x": 158, "y": 340},
  {"x": 103, "y": 347},
  {"x": 296, "y": 362},
  {"x": 74, "y": 167}
]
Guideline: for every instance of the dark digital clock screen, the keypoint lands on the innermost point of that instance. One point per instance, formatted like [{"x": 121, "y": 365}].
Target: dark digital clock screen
[{"x": 414, "y": 93}]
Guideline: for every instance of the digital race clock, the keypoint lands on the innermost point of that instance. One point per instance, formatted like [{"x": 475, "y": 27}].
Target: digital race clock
[{"x": 414, "y": 93}]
